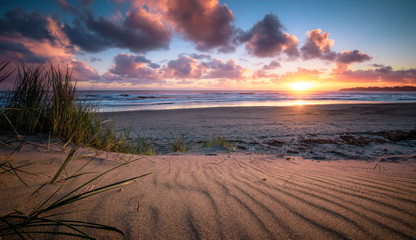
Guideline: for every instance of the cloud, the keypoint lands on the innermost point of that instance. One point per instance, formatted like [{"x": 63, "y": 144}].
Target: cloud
[
  {"x": 266, "y": 39},
  {"x": 94, "y": 59},
  {"x": 134, "y": 67},
  {"x": 67, "y": 7},
  {"x": 218, "y": 69},
  {"x": 200, "y": 56},
  {"x": 87, "y": 2},
  {"x": 384, "y": 74},
  {"x": 348, "y": 57},
  {"x": 377, "y": 65},
  {"x": 271, "y": 65},
  {"x": 139, "y": 32},
  {"x": 264, "y": 71},
  {"x": 82, "y": 72},
  {"x": 205, "y": 22},
  {"x": 183, "y": 67},
  {"x": 11, "y": 49},
  {"x": 139, "y": 69},
  {"x": 38, "y": 43},
  {"x": 318, "y": 45},
  {"x": 17, "y": 23}
]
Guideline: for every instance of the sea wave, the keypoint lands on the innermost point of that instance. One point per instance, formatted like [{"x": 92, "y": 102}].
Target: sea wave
[{"x": 123, "y": 100}]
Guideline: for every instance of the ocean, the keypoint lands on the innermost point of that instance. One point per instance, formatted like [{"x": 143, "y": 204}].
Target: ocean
[{"x": 130, "y": 100}]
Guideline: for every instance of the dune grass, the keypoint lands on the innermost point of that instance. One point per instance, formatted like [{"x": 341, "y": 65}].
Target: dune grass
[
  {"x": 43, "y": 100},
  {"x": 52, "y": 216},
  {"x": 179, "y": 144},
  {"x": 220, "y": 141}
]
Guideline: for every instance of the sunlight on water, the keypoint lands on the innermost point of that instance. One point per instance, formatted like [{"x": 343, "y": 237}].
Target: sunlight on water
[{"x": 112, "y": 101}]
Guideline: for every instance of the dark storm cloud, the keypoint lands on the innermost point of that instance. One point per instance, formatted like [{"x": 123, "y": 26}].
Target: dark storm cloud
[
  {"x": 17, "y": 23},
  {"x": 207, "y": 23},
  {"x": 266, "y": 39}
]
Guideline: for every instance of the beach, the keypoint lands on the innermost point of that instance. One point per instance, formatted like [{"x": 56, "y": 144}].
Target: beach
[
  {"x": 300, "y": 172},
  {"x": 281, "y": 130}
]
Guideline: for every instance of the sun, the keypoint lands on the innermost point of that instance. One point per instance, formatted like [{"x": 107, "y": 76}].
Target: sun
[{"x": 300, "y": 86}]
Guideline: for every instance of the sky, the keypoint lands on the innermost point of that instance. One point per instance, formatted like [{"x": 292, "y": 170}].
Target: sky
[{"x": 216, "y": 44}]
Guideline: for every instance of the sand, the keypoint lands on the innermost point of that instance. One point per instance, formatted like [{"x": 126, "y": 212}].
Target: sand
[
  {"x": 293, "y": 131},
  {"x": 259, "y": 192}
]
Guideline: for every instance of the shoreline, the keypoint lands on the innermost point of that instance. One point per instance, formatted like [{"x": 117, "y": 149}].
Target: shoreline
[
  {"x": 289, "y": 103},
  {"x": 283, "y": 106},
  {"x": 346, "y": 131}
]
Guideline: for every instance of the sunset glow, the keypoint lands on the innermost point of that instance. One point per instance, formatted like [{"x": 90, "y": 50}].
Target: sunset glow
[
  {"x": 230, "y": 46},
  {"x": 300, "y": 86}
]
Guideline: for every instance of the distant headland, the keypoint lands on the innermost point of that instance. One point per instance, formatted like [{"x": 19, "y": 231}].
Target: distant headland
[{"x": 396, "y": 88}]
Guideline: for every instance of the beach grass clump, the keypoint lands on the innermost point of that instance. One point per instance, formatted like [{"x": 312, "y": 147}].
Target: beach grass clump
[
  {"x": 220, "y": 141},
  {"x": 43, "y": 100},
  {"x": 216, "y": 141},
  {"x": 108, "y": 139},
  {"x": 145, "y": 146},
  {"x": 26, "y": 108},
  {"x": 179, "y": 144}
]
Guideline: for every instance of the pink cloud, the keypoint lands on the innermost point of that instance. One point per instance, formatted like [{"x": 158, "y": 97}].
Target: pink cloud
[
  {"x": 348, "y": 57},
  {"x": 205, "y": 22},
  {"x": 82, "y": 72},
  {"x": 218, "y": 69},
  {"x": 266, "y": 39},
  {"x": 183, "y": 67},
  {"x": 131, "y": 68},
  {"x": 271, "y": 65},
  {"x": 318, "y": 45},
  {"x": 384, "y": 74}
]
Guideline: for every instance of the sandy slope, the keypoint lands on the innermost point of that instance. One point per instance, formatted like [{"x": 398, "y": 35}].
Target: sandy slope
[{"x": 238, "y": 196}]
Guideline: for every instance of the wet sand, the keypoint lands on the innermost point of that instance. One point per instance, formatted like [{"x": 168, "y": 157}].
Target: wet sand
[{"x": 350, "y": 131}]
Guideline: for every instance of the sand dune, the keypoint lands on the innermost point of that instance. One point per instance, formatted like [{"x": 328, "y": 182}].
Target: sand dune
[
  {"x": 246, "y": 196},
  {"x": 272, "y": 198}
]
